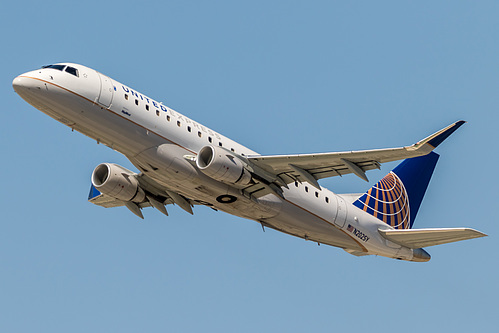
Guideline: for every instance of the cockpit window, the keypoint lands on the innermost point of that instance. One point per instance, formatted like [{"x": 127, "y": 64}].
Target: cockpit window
[
  {"x": 69, "y": 69},
  {"x": 72, "y": 70},
  {"x": 58, "y": 67}
]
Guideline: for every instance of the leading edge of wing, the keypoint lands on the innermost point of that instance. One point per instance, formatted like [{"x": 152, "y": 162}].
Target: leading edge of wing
[{"x": 322, "y": 165}]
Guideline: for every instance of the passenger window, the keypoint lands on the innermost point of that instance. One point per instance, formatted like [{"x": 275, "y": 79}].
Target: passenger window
[
  {"x": 327, "y": 200},
  {"x": 167, "y": 117},
  {"x": 136, "y": 102},
  {"x": 157, "y": 113},
  {"x": 316, "y": 194},
  {"x": 306, "y": 189},
  {"x": 188, "y": 128},
  {"x": 220, "y": 144},
  {"x": 199, "y": 134},
  {"x": 126, "y": 97},
  {"x": 209, "y": 139},
  {"x": 232, "y": 150},
  {"x": 72, "y": 70},
  {"x": 178, "y": 123},
  {"x": 296, "y": 184},
  {"x": 147, "y": 107}
]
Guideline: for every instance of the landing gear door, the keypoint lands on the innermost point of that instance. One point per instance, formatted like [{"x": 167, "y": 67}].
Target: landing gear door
[
  {"x": 106, "y": 91},
  {"x": 341, "y": 212}
]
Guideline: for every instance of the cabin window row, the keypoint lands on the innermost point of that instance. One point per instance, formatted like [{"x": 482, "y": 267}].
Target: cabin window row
[
  {"x": 200, "y": 134},
  {"x": 168, "y": 118},
  {"x": 316, "y": 192},
  {"x": 146, "y": 105}
]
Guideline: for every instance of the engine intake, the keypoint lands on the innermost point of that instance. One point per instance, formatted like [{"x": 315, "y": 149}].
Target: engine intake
[
  {"x": 221, "y": 165},
  {"x": 117, "y": 182}
]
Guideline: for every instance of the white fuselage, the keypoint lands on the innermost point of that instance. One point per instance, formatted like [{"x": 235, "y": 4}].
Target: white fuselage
[{"x": 159, "y": 141}]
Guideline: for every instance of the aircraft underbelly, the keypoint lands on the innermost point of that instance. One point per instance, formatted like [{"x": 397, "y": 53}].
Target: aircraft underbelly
[
  {"x": 299, "y": 222},
  {"x": 118, "y": 132}
]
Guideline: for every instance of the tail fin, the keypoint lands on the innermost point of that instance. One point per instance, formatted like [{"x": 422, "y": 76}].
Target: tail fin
[{"x": 396, "y": 198}]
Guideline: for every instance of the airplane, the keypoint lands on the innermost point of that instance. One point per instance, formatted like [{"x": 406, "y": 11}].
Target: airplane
[{"x": 184, "y": 163}]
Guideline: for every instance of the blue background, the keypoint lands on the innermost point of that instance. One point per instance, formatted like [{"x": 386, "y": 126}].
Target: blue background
[{"x": 279, "y": 77}]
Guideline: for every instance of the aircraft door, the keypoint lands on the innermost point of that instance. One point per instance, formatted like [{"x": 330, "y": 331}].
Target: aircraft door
[
  {"x": 341, "y": 212},
  {"x": 106, "y": 90}
]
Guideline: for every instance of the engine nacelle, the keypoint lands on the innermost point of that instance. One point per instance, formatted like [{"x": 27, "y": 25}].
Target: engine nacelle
[
  {"x": 219, "y": 164},
  {"x": 117, "y": 182}
]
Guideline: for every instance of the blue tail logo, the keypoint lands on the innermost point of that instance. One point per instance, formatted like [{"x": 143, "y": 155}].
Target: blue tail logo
[
  {"x": 388, "y": 201},
  {"x": 396, "y": 198}
]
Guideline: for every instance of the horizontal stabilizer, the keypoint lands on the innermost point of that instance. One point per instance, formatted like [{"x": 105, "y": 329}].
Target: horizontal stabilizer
[{"x": 417, "y": 238}]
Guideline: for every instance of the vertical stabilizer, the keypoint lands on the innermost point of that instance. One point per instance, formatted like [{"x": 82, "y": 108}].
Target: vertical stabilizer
[{"x": 396, "y": 198}]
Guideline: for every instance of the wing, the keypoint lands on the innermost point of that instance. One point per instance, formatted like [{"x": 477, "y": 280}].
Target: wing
[
  {"x": 417, "y": 238},
  {"x": 100, "y": 199},
  {"x": 311, "y": 167},
  {"x": 155, "y": 197}
]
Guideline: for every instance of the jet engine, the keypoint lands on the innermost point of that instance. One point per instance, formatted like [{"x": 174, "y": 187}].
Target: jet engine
[
  {"x": 221, "y": 165},
  {"x": 117, "y": 182}
]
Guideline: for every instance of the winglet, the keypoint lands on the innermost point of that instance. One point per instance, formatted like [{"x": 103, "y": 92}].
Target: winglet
[{"x": 437, "y": 138}]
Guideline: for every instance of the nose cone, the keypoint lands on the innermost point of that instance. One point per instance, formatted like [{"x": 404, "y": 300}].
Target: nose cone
[
  {"x": 23, "y": 82},
  {"x": 27, "y": 86},
  {"x": 19, "y": 83}
]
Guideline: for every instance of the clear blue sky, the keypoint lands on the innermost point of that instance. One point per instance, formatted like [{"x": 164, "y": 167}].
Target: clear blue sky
[{"x": 279, "y": 77}]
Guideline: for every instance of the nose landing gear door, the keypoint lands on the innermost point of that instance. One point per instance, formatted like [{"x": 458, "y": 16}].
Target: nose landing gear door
[{"x": 106, "y": 91}]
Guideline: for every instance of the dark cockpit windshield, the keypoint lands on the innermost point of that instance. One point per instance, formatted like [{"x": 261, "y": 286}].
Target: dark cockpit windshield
[
  {"x": 72, "y": 70},
  {"x": 58, "y": 67},
  {"x": 67, "y": 69}
]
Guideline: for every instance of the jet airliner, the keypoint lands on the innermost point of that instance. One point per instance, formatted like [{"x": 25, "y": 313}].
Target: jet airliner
[{"x": 184, "y": 163}]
